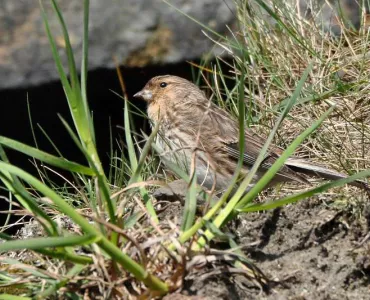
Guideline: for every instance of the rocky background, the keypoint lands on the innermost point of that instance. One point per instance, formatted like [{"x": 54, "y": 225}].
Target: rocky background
[{"x": 137, "y": 32}]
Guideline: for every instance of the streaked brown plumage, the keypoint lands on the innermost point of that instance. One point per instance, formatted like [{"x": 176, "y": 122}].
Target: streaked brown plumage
[{"x": 190, "y": 123}]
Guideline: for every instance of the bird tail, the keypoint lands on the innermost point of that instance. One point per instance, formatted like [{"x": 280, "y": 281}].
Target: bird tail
[{"x": 321, "y": 172}]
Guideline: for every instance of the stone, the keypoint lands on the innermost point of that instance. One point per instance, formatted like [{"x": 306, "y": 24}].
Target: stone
[{"x": 137, "y": 33}]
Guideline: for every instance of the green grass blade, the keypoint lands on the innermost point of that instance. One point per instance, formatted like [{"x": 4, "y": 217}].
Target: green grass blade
[
  {"x": 148, "y": 144},
  {"x": 59, "y": 253},
  {"x": 78, "y": 108},
  {"x": 190, "y": 206},
  {"x": 13, "y": 297},
  {"x": 84, "y": 67},
  {"x": 12, "y": 180},
  {"x": 41, "y": 243},
  {"x": 53, "y": 145},
  {"x": 85, "y": 53},
  {"x": 129, "y": 141},
  {"x": 299, "y": 196},
  {"x": 54, "y": 50},
  {"x": 45, "y": 157},
  {"x": 68, "y": 46}
]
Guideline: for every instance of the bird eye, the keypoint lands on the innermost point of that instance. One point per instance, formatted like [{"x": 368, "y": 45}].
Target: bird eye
[{"x": 163, "y": 84}]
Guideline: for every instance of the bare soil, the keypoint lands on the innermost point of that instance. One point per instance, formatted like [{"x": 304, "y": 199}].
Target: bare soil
[{"x": 308, "y": 250}]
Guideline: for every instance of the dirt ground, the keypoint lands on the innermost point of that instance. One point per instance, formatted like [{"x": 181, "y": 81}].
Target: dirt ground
[{"x": 307, "y": 250}]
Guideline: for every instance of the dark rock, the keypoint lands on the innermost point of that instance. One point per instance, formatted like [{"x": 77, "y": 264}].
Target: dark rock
[{"x": 136, "y": 32}]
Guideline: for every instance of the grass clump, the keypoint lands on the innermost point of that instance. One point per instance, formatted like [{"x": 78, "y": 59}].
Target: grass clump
[{"x": 303, "y": 90}]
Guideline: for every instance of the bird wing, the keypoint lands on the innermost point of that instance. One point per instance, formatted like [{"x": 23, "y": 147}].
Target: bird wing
[
  {"x": 227, "y": 130},
  {"x": 252, "y": 148},
  {"x": 293, "y": 167}
]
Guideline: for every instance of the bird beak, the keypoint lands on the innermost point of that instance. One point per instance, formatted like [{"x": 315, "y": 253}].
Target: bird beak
[{"x": 144, "y": 94}]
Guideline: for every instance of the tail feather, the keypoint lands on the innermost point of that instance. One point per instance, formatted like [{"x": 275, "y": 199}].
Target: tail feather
[{"x": 321, "y": 172}]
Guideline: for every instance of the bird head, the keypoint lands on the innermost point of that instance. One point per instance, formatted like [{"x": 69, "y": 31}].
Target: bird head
[
  {"x": 170, "y": 95},
  {"x": 169, "y": 88}
]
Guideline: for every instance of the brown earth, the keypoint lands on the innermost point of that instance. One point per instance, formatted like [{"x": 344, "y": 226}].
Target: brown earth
[{"x": 307, "y": 250}]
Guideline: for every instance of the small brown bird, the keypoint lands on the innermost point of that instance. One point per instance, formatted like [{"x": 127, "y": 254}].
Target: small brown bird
[{"x": 189, "y": 124}]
